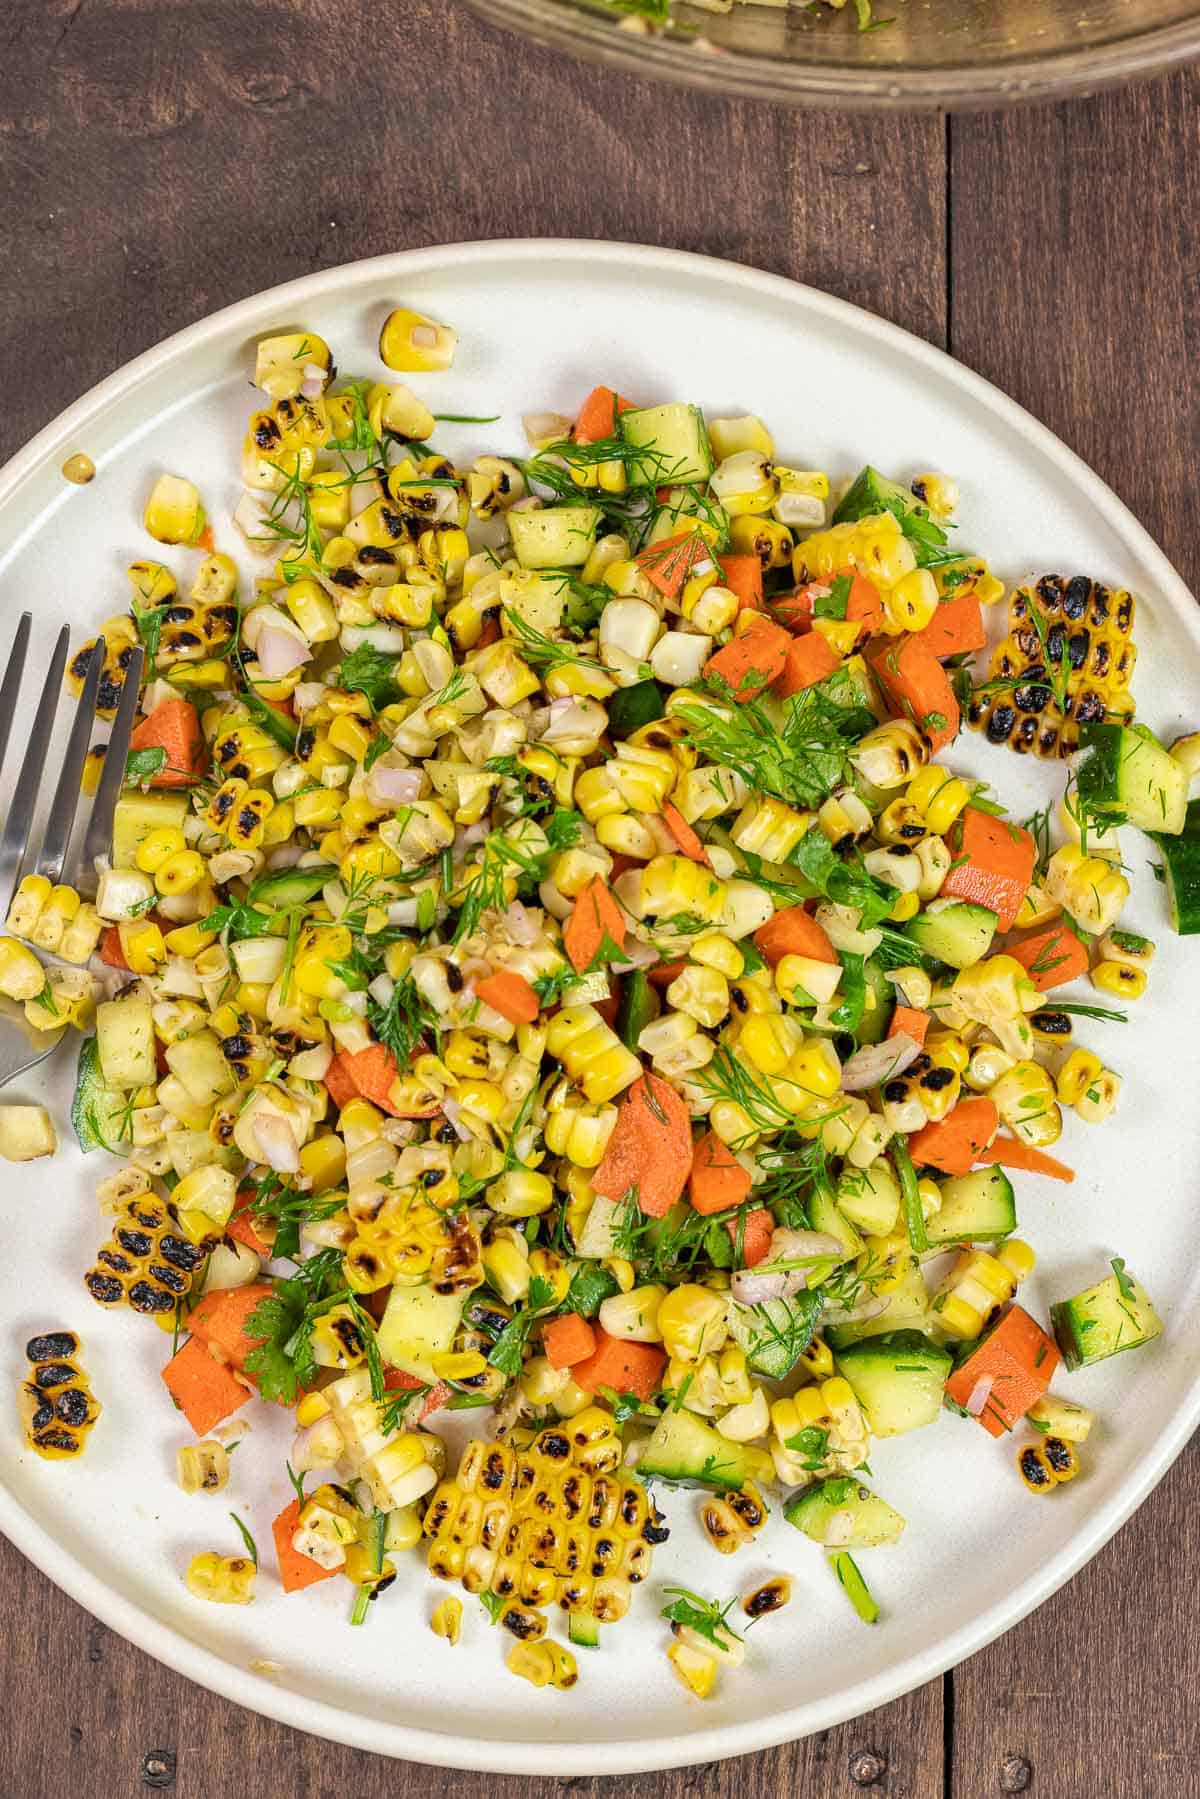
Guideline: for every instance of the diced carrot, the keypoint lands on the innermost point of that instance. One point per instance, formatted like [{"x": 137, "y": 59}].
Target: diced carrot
[
  {"x": 717, "y": 1179},
  {"x": 206, "y": 541},
  {"x": 863, "y": 603},
  {"x": 793, "y": 932},
  {"x": 339, "y": 1081},
  {"x": 296, "y": 1571},
  {"x": 795, "y": 610},
  {"x": 568, "y": 1339},
  {"x": 598, "y": 415},
  {"x": 203, "y": 1388},
  {"x": 509, "y": 994},
  {"x": 913, "y": 1023},
  {"x": 742, "y": 575},
  {"x": 1052, "y": 958},
  {"x": 993, "y": 865},
  {"x": 668, "y": 564},
  {"x": 1007, "y": 1152},
  {"x": 650, "y": 1150},
  {"x": 219, "y": 1318},
  {"x": 663, "y": 973},
  {"x": 241, "y": 1225},
  {"x": 756, "y": 1230},
  {"x": 596, "y": 916},
  {"x": 375, "y": 1071},
  {"x": 751, "y": 662},
  {"x": 110, "y": 948},
  {"x": 916, "y": 686},
  {"x": 624, "y": 1366},
  {"x": 956, "y": 626},
  {"x": 174, "y": 727},
  {"x": 1019, "y": 1360},
  {"x": 954, "y": 1143},
  {"x": 687, "y": 840},
  {"x": 809, "y": 659},
  {"x": 397, "y": 1380}
]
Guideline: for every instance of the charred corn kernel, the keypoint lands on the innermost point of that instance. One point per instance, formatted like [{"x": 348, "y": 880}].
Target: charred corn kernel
[
  {"x": 817, "y": 1359},
  {"x": 1128, "y": 948},
  {"x": 224, "y": 1579},
  {"x": 1025, "y": 1099},
  {"x": 733, "y": 1519},
  {"x": 447, "y": 1619},
  {"x": 180, "y": 873},
  {"x": 911, "y": 604},
  {"x": 459, "y": 1367},
  {"x": 889, "y": 755},
  {"x": 1119, "y": 979},
  {"x": 202, "y": 1467},
  {"x": 693, "y": 1322},
  {"x": 938, "y": 797},
  {"x": 745, "y": 483},
  {"x": 310, "y": 1408},
  {"x": 351, "y": 736},
  {"x": 844, "y": 818},
  {"x": 1098, "y": 1097},
  {"x": 507, "y": 1268},
  {"x": 55, "y": 918},
  {"x": 695, "y": 1670},
  {"x": 22, "y": 976},
  {"x": 411, "y": 343},
  {"x": 318, "y": 807},
  {"x": 702, "y": 993},
  {"x": 551, "y": 1269},
  {"x": 1088, "y": 887},
  {"x": 57, "y": 1405},
  {"x": 672, "y": 884},
  {"x": 1079, "y": 1070},
  {"x": 145, "y": 1264},
  {"x": 977, "y": 1284},
  {"x": 68, "y": 997},
  {"x": 766, "y": 538},
  {"x": 1047, "y": 1463},
  {"x": 642, "y": 777},
  {"x": 158, "y": 847},
  {"x": 142, "y": 945}
]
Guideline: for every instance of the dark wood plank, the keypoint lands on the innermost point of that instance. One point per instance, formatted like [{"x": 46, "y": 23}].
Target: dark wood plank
[
  {"x": 163, "y": 157},
  {"x": 1073, "y": 244},
  {"x": 90, "y": 1715}
]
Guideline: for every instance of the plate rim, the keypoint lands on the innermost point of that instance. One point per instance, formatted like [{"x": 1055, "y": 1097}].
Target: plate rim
[{"x": 630, "y": 1754}]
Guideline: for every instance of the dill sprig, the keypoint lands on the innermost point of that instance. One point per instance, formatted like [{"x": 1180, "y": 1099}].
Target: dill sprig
[
  {"x": 500, "y": 856},
  {"x": 800, "y": 759},
  {"x": 545, "y": 652}
]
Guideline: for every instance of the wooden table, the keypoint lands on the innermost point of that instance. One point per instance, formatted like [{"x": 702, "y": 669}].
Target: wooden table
[{"x": 159, "y": 158}]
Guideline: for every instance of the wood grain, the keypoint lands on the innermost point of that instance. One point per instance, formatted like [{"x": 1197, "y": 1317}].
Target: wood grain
[{"x": 160, "y": 158}]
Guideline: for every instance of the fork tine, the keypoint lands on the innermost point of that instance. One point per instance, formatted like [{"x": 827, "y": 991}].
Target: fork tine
[
  {"x": 57, "y": 838},
  {"x": 13, "y": 676},
  {"x": 15, "y": 838},
  {"x": 98, "y": 837}
]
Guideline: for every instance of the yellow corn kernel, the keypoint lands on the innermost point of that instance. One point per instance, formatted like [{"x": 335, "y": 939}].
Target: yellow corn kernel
[
  {"x": 1119, "y": 980},
  {"x": 202, "y": 1467},
  {"x": 27, "y": 904},
  {"x": 769, "y": 1040},
  {"x": 1098, "y": 1097},
  {"x": 142, "y": 945},
  {"x": 411, "y": 343},
  {"x": 226, "y": 1580},
  {"x": 22, "y": 976},
  {"x": 158, "y": 847},
  {"x": 911, "y": 604},
  {"x": 180, "y": 873},
  {"x": 695, "y": 1670},
  {"x": 447, "y": 1619},
  {"x": 1077, "y": 1072},
  {"x": 938, "y": 796},
  {"x": 532, "y": 1662},
  {"x": 692, "y": 1321},
  {"x": 713, "y": 950}
]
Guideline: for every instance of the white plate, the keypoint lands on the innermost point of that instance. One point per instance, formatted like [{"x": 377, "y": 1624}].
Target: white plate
[{"x": 539, "y": 323}]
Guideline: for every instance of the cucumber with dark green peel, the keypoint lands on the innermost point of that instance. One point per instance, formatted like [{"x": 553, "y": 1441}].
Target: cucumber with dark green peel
[
  {"x": 583, "y": 1631},
  {"x": 96, "y": 1110},
  {"x": 775, "y": 1333},
  {"x": 1181, "y": 871},
  {"x": 638, "y": 1007},
  {"x": 864, "y": 1520},
  {"x": 1114, "y": 1315},
  {"x": 877, "y": 1009},
  {"x": 897, "y": 1379},
  {"x": 976, "y": 1208},
  {"x": 958, "y": 934},
  {"x": 674, "y": 438},
  {"x": 1125, "y": 773},
  {"x": 686, "y": 1449},
  {"x": 553, "y": 536},
  {"x": 632, "y": 707}
]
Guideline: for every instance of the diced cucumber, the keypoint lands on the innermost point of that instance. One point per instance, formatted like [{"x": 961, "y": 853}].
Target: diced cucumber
[
  {"x": 675, "y": 439},
  {"x": 291, "y": 886},
  {"x": 976, "y": 1208},
  {"x": 583, "y": 1630},
  {"x": 1181, "y": 866},
  {"x": 1114, "y": 1315},
  {"x": 825, "y": 1216},
  {"x": 553, "y": 536},
  {"x": 954, "y": 932},
  {"x": 907, "y": 1309},
  {"x": 685, "y": 1449},
  {"x": 1056, "y": 1417},
  {"x": 776, "y": 1332},
  {"x": 638, "y": 1007},
  {"x": 596, "y": 1238},
  {"x": 1124, "y": 771},
  {"x": 877, "y": 1010},
  {"x": 869, "y": 493},
  {"x": 870, "y": 1199},
  {"x": 871, "y": 1519},
  {"x": 897, "y": 1379},
  {"x": 418, "y": 1325},
  {"x": 125, "y": 1040},
  {"x": 632, "y": 707},
  {"x": 96, "y": 1109}
]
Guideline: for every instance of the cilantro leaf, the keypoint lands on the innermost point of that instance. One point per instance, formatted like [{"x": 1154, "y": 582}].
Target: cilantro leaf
[{"x": 508, "y": 1351}]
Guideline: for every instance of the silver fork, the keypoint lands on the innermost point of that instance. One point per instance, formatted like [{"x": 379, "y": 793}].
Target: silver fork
[{"x": 22, "y": 1047}]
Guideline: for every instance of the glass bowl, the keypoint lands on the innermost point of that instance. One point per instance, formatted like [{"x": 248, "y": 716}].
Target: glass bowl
[{"x": 934, "y": 54}]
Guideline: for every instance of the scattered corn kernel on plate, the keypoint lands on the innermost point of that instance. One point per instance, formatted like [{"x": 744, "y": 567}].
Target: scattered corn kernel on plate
[{"x": 622, "y": 1093}]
